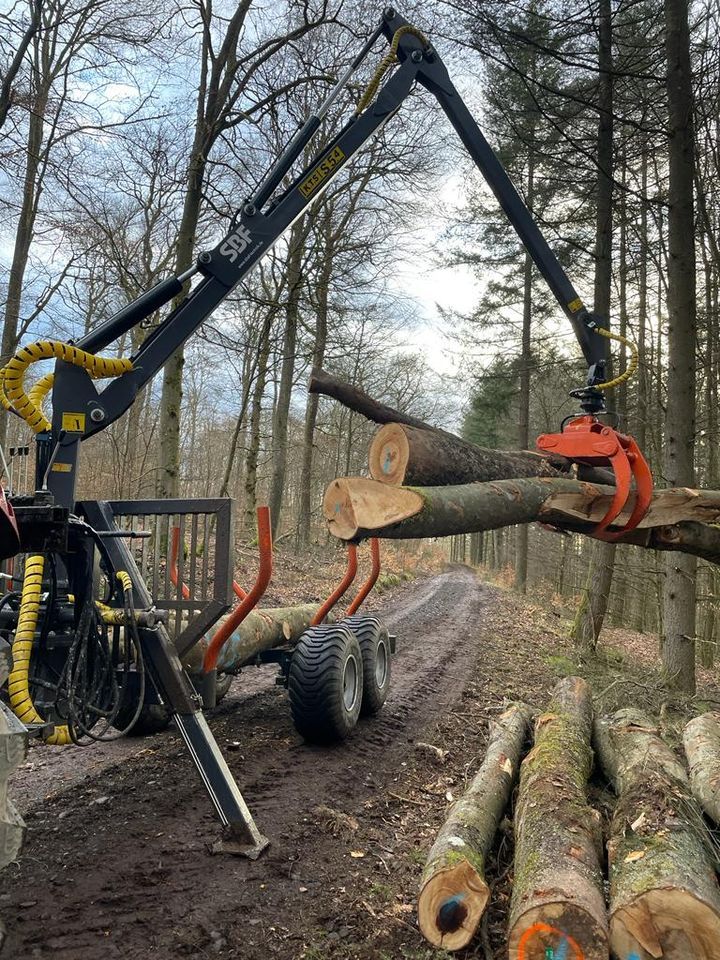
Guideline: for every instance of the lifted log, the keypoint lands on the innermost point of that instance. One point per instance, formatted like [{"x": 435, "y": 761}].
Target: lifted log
[
  {"x": 557, "y": 901},
  {"x": 260, "y": 630},
  {"x": 677, "y": 519},
  {"x": 506, "y": 462},
  {"x": 453, "y": 891},
  {"x": 701, "y": 739},
  {"x": 664, "y": 897},
  {"x": 403, "y": 454}
]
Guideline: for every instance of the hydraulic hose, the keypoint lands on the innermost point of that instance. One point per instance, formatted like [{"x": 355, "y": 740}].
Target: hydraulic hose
[
  {"x": 12, "y": 391},
  {"x": 19, "y": 680}
]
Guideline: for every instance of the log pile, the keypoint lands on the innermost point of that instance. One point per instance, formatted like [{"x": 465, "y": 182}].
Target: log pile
[
  {"x": 664, "y": 895},
  {"x": 425, "y": 482},
  {"x": 664, "y": 899}
]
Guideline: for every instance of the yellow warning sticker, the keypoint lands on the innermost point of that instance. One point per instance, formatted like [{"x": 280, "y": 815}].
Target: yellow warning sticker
[
  {"x": 329, "y": 163},
  {"x": 73, "y": 422},
  {"x": 61, "y": 467},
  {"x": 575, "y": 305}
]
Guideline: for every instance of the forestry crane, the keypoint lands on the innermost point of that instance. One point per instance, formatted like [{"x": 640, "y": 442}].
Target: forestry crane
[{"x": 63, "y": 661}]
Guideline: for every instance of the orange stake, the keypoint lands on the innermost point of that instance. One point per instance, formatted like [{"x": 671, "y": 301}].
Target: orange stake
[
  {"x": 341, "y": 587},
  {"x": 174, "y": 551},
  {"x": 371, "y": 580},
  {"x": 237, "y": 589},
  {"x": 234, "y": 619}
]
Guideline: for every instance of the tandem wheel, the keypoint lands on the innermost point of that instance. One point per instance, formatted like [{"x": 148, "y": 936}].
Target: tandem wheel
[
  {"x": 374, "y": 640},
  {"x": 325, "y": 683}
]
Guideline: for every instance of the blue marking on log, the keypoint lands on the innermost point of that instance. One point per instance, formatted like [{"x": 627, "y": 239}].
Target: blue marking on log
[{"x": 451, "y": 914}]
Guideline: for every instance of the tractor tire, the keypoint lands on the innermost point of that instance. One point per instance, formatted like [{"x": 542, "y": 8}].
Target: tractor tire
[
  {"x": 222, "y": 688},
  {"x": 154, "y": 718},
  {"x": 374, "y": 640},
  {"x": 325, "y": 683}
]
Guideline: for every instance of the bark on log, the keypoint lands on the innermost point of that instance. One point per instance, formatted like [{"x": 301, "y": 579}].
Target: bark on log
[
  {"x": 260, "y": 630},
  {"x": 13, "y": 748},
  {"x": 355, "y": 399},
  {"x": 356, "y": 507},
  {"x": 557, "y": 901},
  {"x": 664, "y": 897},
  {"x": 453, "y": 891},
  {"x": 403, "y": 454},
  {"x": 701, "y": 739}
]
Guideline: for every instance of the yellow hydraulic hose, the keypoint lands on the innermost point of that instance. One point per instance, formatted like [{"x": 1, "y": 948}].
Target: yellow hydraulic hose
[
  {"x": 12, "y": 391},
  {"x": 632, "y": 365},
  {"x": 19, "y": 680},
  {"x": 387, "y": 61}
]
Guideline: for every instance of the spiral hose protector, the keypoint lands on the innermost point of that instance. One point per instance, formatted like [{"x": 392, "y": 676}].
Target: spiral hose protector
[{"x": 19, "y": 680}]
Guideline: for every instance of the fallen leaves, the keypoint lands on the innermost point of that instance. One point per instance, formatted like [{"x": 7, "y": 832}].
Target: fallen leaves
[{"x": 634, "y": 855}]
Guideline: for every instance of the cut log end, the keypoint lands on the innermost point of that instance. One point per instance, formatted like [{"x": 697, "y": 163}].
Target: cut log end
[
  {"x": 389, "y": 455},
  {"x": 451, "y": 904},
  {"x": 668, "y": 923},
  {"x": 354, "y": 505},
  {"x": 559, "y": 929}
]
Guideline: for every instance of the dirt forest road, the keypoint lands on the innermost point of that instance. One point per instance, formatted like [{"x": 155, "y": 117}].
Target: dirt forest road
[{"x": 117, "y": 860}]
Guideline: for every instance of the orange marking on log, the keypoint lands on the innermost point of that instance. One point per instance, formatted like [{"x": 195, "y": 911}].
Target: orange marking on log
[{"x": 546, "y": 928}]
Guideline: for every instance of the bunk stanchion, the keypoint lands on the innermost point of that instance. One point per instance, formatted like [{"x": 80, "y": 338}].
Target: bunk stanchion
[
  {"x": 236, "y": 617},
  {"x": 341, "y": 588},
  {"x": 371, "y": 580},
  {"x": 174, "y": 552}
]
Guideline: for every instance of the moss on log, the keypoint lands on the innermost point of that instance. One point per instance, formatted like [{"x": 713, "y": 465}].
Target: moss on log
[
  {"x": 557, "y": 900},
  {"x": 701, "y": 739},
  {"x": 664, "y": 896},
  {"x": 453, "y": 891}
]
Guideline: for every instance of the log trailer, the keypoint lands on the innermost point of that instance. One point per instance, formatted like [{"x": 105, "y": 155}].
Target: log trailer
[{"x": 74, "y": 671}]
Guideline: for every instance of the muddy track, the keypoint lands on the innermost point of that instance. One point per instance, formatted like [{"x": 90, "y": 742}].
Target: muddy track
[{"x": 117, "y": 862}]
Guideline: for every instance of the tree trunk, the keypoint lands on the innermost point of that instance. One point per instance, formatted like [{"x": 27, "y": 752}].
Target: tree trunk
[
  {"x": 523, "y": 437},
  {"x": 453, "y": 891},
  {"x": 593, "y": 604},
  {"x": 25, "y": 232},
  {"x": 298, "y": 235},
  {"x": 253, "y": 452},
  {"x": 590, "y": 614},
  {"x": 678, "y": 648},
  {"x": 664, "y": 897},
  {"x": 311, "y": 409},
  {"x": 557, "y": 899},
  {"x": 168, "y": 480},
  {"x": 701, "y": 739}
]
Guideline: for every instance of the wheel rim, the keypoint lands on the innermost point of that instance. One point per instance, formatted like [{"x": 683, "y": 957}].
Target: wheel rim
[
  {"x": 350, "y": 683},
  {"x": 381, "y": 665}
]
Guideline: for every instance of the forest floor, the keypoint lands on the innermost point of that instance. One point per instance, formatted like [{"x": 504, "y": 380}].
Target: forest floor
[{"x": 117, "y": 861}]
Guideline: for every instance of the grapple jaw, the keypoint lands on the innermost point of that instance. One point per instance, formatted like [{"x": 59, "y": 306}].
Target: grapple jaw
[{"x": 585, "y": 439}]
